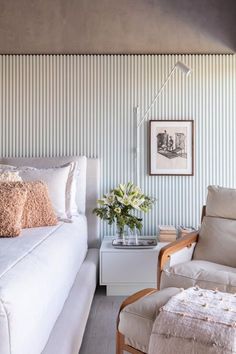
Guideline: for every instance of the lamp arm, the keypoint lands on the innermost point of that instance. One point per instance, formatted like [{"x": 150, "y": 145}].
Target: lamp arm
[{"x": 156, "y": 96}]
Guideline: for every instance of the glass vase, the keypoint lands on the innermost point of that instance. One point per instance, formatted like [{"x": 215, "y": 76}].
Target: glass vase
[{"x": 121, "y": 232}]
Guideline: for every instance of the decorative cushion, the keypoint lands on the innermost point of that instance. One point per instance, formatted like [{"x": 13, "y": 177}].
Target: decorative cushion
[
  {"x": 205, "y": 274},
  {"x": 38, "y": 210},
  {"x": 136, "y": 319},
  {"x": 10, "y": 176},
  {"x": 217, "y": 241},
  {"x": 221, "y": 202},
  {"x": 13, "y": 196}
]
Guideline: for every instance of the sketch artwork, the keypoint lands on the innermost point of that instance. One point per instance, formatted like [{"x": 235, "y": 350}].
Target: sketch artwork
[{"x": 171, "y": 147}]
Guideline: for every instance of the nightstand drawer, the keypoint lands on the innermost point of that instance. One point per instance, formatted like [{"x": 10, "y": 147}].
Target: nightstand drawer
[{"x": 129, "y": 266}]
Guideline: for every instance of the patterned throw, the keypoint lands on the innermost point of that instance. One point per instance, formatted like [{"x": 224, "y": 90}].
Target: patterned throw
[{"x": 196, "y": 321}]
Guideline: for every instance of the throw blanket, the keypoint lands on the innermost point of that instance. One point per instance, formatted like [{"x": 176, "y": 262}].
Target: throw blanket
[{"x": 196, "y": 321}]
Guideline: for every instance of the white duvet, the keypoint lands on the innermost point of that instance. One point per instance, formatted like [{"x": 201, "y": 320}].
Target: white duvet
[{"x": 37, "y": 270}]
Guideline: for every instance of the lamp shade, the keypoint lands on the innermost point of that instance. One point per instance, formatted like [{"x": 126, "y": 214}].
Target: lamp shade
[{"x": 182, "y": 67}]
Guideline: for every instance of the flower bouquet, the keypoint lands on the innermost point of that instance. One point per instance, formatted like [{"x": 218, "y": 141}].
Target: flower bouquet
[{"x": 119, "y": 206}]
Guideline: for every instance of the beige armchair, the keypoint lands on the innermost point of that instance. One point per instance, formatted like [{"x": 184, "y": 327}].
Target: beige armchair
[{"x": 206, "y": 258}]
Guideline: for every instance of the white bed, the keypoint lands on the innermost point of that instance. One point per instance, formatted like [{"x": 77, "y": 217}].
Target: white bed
[{"x": 48, "y": 277}]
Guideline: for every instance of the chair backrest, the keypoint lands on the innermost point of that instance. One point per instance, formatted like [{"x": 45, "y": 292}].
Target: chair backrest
[
  {"x": 217, "y": 237},
  {"x": 203, "y": 212}
]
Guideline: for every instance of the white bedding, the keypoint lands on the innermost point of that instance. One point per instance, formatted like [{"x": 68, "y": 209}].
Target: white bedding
[{"x": 37, "y": 270}]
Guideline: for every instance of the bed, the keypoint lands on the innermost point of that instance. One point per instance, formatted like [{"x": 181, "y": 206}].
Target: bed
[{"x": 48, "y": 275}]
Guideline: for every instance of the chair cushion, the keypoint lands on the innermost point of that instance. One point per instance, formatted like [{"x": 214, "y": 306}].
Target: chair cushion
[
  {"x": 205, "y": 274},
  {"x": 136, "y": 319},
  {"x": 221, "y": 202},
  {"x": 217, "y": 241}
]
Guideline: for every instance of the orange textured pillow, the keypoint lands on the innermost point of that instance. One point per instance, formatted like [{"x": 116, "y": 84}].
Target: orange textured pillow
[
  {"x": 38, "y": 209},
  {"x": 13, "y": 196}
]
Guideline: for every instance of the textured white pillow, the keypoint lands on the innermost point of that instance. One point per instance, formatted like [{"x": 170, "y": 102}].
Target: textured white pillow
[
  {"x": 9, "y": 176},
  {"x": 72, "y": 208},
  {"x": 56, "y": 179}
]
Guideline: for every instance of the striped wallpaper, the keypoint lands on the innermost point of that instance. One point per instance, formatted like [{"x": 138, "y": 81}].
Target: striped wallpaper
[{"x": 52, "y": 105}]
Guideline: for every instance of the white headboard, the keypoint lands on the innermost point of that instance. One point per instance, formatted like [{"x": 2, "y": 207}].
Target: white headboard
[{"x": 92, "y": 186}]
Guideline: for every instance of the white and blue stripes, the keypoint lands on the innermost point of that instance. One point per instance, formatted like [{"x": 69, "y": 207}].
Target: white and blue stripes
[{"x": 53, "y": 105}]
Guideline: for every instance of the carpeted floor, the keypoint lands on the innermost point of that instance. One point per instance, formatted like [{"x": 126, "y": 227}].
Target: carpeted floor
[{"x": 99, "y": 337}]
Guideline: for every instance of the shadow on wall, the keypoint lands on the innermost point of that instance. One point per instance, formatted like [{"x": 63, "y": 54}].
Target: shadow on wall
[{"x": 214, "y": 17}]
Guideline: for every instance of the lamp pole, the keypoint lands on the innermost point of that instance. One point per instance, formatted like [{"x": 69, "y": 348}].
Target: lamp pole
[
  {"x": 137, "y": 146},
  {"x": 139, "y": 121}
]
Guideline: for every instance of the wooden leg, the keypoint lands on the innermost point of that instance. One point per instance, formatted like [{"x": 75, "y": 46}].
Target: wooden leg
[
  {"x": 119, "y": 342},
  {"x": 121, "y": 346}
]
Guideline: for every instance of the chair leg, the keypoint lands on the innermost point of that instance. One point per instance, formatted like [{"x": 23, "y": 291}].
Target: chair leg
[{"x": 119, "y": 342}]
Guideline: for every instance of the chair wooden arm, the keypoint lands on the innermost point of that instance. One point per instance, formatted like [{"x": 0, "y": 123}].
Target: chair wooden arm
[{"x": 175, "y": 246}]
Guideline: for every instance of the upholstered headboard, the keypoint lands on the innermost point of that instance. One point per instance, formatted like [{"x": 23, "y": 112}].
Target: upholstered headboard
[{"x": 92, "y": 184}]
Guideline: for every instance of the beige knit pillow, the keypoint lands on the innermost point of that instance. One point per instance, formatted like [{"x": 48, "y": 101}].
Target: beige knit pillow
[
  {"x": 38, "y": 209},
  {"x": 13, "y": 196}
]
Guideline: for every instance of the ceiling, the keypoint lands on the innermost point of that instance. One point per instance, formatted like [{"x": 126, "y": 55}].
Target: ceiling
[{"x": 117, "y": 27}]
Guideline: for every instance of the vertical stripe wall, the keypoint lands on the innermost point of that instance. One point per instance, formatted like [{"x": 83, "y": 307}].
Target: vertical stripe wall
[{"x": 52, "y": 105}]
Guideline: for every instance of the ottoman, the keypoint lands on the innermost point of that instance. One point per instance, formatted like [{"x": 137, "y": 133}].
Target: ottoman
[{"x": 136, "y": 319}]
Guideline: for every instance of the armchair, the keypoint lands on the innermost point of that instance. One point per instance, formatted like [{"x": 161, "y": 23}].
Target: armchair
[
  {"x": 178, "y": 251},
  {"x": 205, "y": 258}
]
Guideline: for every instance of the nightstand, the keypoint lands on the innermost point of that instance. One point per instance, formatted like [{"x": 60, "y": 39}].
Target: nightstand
[{"x": 125, "y": 271}]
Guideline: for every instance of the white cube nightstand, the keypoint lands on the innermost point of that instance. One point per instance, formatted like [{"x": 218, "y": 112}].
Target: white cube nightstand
[{"x": 125, "y": 271}]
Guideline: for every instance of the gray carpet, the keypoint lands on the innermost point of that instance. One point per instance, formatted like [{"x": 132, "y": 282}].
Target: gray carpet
[{"x": 99, "y": 337}]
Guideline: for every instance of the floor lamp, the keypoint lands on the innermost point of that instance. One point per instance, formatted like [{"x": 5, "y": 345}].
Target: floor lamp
[{"x": 139, "y": 120}]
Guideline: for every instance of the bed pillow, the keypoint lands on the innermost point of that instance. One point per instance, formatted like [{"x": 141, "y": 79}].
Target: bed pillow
[
  {"x": 10, "y": 176},
  {"x": 56, "y": 180},
  {"x": 13, "y": 197},
  {"x": 79, "y": 186},
  {"x": 59, "y": 180},
  {"x": 78, "y": 203},
  {"x": 38, "y": 209},
  {"x": 72, "y": 208}
]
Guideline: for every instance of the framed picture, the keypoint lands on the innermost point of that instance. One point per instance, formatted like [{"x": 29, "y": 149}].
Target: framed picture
[{"x": 171, "y": 147}]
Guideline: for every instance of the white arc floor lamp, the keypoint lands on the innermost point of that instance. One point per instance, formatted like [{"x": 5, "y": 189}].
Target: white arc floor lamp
[{"x": 139, "y": 121}]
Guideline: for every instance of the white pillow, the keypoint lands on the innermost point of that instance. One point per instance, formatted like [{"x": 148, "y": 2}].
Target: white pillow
[
  {"x": 9, "y": 176},
  {"x": 81, "y": 185},
  {"x": 72, "y": 208},
  {"x": 58, "y": 182},
  {"x": 77, "y": 197}
]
